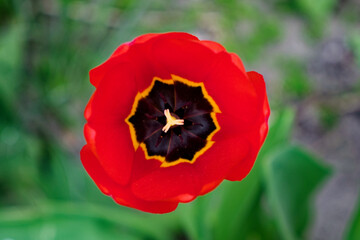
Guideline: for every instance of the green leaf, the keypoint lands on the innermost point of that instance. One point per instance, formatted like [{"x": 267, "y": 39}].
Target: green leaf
[
  {"x": 11, "y": 40},
  {"x": 319, "y": 9},
  {"x": 60, "y": 221},
  {"x": 296, "y": 80},
  {"x": 317, "y": 13},
  {"x": 291, "y": 177},
  {"x": 239, "y": 198},
  {"x": 354, "y": 42},
  {"x": 279, "y": 132},
  {"x": 238, "y": 201},
  {"x": 195, "y": 218},
  {"x": 354, "y": 226},
  {"x": 259, "y": 223}
]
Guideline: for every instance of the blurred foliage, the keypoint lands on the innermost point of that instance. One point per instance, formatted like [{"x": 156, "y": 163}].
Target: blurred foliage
[
  {"x": 354, "y": 40},
  {"x": 329, "y": 117},
  {"x": 316, "y": 13},
  {"x": 46, "y": 50},
  {"x": 296, "y": 82},
  {"x": 289, "y": 191},
  {"x": 7, "y": 10}
]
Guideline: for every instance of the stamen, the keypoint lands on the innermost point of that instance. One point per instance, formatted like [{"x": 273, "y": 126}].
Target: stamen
[{"x": 171, "y": 121}]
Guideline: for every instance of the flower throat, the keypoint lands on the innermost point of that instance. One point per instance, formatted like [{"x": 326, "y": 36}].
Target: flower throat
[{"x": 173, "y": 120}]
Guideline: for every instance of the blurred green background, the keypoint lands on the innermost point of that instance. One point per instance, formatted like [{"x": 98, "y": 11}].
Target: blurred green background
[{"x": 305, "y": 183}]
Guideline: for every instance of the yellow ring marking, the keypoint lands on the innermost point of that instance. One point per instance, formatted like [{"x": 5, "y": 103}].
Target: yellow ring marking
[{"x": 146, "y": 92}]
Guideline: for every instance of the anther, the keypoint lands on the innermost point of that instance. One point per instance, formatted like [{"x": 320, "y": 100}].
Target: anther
[{"x": 171, "y": 121}]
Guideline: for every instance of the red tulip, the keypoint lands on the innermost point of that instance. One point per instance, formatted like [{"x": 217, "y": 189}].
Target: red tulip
[{"x": 170, "y": 119}]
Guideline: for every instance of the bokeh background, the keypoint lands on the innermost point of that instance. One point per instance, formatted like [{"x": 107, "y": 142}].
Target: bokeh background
[{"x": 306, "y": 181}]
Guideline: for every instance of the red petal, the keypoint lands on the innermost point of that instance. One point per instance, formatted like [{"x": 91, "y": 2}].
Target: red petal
[
  {"x": 188, "y": 59},
  {"x": 120, "y": 194},
  {"x": 123, "y": 48},
  {"x": 233, "y": 92},
  {"x": 209, "y": 187},
  {"x": 141, "y": 55},
  {"x": 113, "y": 145},
  {"x": 170, "y": 35},
  {"x": 224, "y": 154},
  {"x": 146, "y": 67},
  {"x": 257, "y": 136},
  {"x": 177, "y": 183},
  {"x": 245, "y": 164},
  {"x": 237, "y": 61},
  {"x": 98, "y": 73},
  {"x": 259, "y": 83},
  {"x": 214, "y": 46},
  {"x": 137, "y": 52},
  {"x": 140, "y": 39},
  {"x": 88, "y": 108},
  {"x": 114, "y": 97},
  {"x": 106, "y": 132},
  {"x": 90, "y": 134},
  {"x": 143, "y": 166},
  {"x": 118, "y": 56}
]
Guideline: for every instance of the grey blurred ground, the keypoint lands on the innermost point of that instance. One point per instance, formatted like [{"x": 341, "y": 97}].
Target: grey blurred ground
[{"x": 332, "y": 67}]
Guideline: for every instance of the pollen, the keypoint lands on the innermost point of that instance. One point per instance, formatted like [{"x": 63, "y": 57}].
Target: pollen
[{"x": 171, "y": 121}]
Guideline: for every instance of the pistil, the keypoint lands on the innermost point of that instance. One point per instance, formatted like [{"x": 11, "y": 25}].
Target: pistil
[{"x": 171, "y": 121}]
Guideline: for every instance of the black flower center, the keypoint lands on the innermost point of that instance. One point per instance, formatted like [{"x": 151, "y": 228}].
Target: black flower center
[{"x": 173, "y": 120}]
